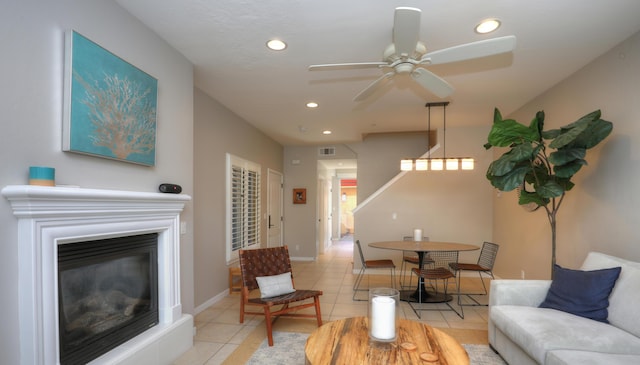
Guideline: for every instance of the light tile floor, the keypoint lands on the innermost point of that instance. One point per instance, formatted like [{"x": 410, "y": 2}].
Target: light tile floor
[{"x": 219, "y": 332}]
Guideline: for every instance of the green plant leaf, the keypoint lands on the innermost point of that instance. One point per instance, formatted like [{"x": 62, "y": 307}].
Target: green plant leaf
[
  {"x": 594, "y": 115},
  {"x": 537, "y": 124},
  {"x": 497, "y": 116},
  {"x": 565, "y": 183},
  {"x": 550, "y": 189},
  {"x": 566, "y": 155},
  {"x": 567, "y": 136},
  {"x": 527, "y": 197},
  {"x": 597, "y": 131},
  {"x": 506, "y": 132},
  {"x": 570, "y": 169},
  {"x": 550, "y": 134},
  {"x": 508, "y": 161},
  {"x": 538, "y": 175},
  {"x": 510, "y": 180},
  {"x": 571, "y": 132}
]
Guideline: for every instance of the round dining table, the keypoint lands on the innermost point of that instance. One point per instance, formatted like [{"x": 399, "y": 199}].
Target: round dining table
[{"x": 422, "y": 248}]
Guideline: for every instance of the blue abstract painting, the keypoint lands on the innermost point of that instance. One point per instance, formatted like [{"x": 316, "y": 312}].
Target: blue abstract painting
[{"x": 110, "y": 105}]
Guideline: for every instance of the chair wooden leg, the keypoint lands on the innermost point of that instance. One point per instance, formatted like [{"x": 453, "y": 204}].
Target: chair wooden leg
[
  {"x": 242, "y": 296},
  {"x": 267, "y": 319},
  {"x": 316, "y": 300}
]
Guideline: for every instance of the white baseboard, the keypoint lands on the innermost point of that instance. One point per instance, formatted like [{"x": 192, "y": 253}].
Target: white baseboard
[
  {"x": 211, "y": 301},
  {"x": 297, "y": 258}
]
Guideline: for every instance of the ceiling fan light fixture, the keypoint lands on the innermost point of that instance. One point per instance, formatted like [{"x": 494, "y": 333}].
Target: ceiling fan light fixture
[
  {"x": 312, "y": 105},
  {"x": 487, "y": 26},
  {"x": 326, "y": 132},
  {"x": 276, "y": 45}
]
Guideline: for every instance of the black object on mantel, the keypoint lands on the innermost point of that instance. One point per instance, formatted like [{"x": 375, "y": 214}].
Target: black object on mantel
[{"x": 170, "y": 188}]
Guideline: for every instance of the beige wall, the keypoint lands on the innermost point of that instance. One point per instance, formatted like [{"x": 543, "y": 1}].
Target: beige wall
[
  {"x": 379, "y": 158},
  {"x": 218, "y": 131},
  {"x": 300, "y": 219},
  {"x": 601, "y": 212},
  {"x": 31, "y": 102}
]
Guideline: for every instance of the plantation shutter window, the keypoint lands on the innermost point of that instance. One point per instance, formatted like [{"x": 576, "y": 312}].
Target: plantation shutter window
[{"x": 243, "y": 206}]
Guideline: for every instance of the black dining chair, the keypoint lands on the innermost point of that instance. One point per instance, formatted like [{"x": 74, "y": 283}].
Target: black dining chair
[
  {"x": 371, "y": 264},
  {"x": 409, "y": 258},
  {"x": 485, "y": 263},
  {"x": 439, "y": 269}
]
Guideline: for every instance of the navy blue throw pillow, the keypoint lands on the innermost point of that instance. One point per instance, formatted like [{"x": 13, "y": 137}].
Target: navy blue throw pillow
[{"x": 583, "y": 293}]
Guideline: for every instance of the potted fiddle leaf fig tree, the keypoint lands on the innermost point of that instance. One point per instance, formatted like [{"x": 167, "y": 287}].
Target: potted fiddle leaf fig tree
[{"x": 539, "y": 163}]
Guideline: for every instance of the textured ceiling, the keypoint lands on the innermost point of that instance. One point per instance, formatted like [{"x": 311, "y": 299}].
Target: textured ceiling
[{"x": 225, "y": 40}]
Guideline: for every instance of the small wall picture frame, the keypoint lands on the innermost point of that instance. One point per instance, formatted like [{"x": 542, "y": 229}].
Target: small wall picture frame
[{"x": 299, "y": 196}]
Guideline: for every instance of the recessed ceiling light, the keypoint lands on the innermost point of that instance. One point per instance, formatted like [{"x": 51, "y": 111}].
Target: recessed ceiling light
[
  {"x": 276, "y": 45},
  {"x": 312, "y": 104},
  {"x": 487, "y": 26},
  {"x": 326, "y": 132}
]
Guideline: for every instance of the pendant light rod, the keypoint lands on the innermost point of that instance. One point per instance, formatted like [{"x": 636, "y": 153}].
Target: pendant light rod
[
  {"x": 442, "y": 104},
  {"x": 437, "y": 164}
]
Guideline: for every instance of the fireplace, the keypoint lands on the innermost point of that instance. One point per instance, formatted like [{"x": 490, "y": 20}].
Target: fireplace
[
  {"x": 107, "y": 294},
  {"x": 65, "y": 236}
]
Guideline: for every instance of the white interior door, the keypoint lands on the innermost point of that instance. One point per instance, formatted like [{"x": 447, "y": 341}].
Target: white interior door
[
  {"x": 274, "y": 208},
  {"x": 323, "y": 228}
]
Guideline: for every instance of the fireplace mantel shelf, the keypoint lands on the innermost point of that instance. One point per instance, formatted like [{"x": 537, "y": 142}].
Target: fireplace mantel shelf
[
  {"x": 30, "y": 200},
  {"x": 52, "y": 216}
]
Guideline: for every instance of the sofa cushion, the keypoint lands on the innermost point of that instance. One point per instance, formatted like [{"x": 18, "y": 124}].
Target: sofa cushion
[
  {"x": 624, "y": 299},
  {"x": 539, "y": 330},
  {"x": 583, "y": 293},
  {"x": 571, "y": 357}
]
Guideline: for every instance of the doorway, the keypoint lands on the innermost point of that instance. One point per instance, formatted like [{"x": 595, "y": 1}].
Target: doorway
[
  {"x": 348, "y": 202},
  {"x": 274, "y": 208},
  {"x": 330, "y": 226}
]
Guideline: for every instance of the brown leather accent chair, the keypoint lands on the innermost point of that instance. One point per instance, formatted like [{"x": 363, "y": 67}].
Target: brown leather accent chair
[{"x": 267, "y": 262}]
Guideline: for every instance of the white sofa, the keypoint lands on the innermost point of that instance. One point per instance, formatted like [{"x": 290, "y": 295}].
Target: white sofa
[{"x": 524, "y": 334}]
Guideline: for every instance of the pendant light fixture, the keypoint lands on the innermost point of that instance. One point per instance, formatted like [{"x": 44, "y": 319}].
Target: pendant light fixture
[{"x": 437, "y": 164}]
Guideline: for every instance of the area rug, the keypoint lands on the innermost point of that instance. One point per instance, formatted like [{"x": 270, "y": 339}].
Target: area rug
[{"x": 288, "y": 349}]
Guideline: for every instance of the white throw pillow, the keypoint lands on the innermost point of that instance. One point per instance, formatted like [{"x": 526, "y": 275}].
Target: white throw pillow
[{"x": 274, "y": 285}]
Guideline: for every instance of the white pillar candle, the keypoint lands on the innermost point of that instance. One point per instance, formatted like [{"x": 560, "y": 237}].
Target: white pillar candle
[
  {"x": 383, "y": 317},
  {"x": 417, "y": 234}
]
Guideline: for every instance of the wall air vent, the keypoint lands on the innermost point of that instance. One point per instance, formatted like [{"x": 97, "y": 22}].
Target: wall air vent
[{"x": 327, "y": 151}]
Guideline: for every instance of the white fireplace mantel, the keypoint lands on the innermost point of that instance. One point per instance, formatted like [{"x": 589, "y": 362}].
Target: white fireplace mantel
[{"x": 52, "y": 216}]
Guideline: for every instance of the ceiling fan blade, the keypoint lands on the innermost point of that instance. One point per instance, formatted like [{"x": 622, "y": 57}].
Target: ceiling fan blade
[
  {"x": 364, "y": 94},
  {"x": 487, "y": 47},
  {"x": 406, "y": 30},
  {"x": 333, "y": 66},
  {"x": 431, "y": 82}
]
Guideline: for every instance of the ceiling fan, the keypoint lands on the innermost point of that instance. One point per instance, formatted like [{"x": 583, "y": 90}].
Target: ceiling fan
[{"x": 407, "y": 55}]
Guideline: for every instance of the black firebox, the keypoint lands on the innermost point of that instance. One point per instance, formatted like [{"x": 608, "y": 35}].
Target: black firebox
[{"x": 107, "y": 294}]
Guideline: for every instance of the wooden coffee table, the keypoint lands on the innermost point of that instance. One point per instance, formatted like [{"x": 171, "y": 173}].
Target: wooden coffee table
[{"x": 346, "y": 341}]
